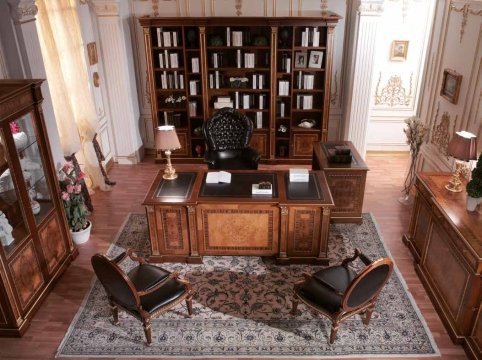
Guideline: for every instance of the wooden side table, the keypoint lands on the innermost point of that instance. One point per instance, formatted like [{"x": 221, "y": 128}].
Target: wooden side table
[{"x": 346, "y": 181}]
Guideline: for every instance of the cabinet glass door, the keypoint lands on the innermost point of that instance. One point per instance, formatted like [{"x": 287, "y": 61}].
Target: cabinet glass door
[{"x": 32, "y": 167}]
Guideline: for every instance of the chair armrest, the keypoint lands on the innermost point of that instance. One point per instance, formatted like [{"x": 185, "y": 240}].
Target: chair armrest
[
  {"x": 173, "y": 275},
  {"x": 252, "y": 156},
  {"x": 358, "y": 254},
  {"x": 119, "y": 258},
  {"x": 133, "y": 257}
]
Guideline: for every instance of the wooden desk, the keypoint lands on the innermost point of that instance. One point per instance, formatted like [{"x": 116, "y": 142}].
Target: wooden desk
[
  {"x": 446, "y": 242},
  {"x": 189, "y": 218},
  {"x": 346, "y": 181}
]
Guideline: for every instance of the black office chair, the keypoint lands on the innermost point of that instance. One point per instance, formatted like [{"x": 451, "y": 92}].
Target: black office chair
[
  {"x": 145, "y": 292},
  {"x": 339, "y": 292},
  {"x": 227, "y": 134}
]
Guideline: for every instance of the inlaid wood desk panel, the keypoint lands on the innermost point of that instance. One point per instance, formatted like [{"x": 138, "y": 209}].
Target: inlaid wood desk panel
[{"x": 189, "y": 218}]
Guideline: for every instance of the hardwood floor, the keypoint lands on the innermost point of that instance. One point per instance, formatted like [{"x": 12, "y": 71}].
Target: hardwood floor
[{"x": 384, "y": 182}]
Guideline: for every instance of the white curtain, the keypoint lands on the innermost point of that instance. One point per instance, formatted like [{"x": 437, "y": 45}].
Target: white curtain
[{"x": 63, "y": 53}]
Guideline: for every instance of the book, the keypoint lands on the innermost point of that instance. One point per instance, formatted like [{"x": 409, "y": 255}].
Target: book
[
  {"x": 299, "y": 175},
  {"x": 255, "y": 190},
  {"x": 216, "y": 177}
]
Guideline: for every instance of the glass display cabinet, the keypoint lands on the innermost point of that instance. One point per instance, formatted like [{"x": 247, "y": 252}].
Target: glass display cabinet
[{"x": 35, "y": 243}]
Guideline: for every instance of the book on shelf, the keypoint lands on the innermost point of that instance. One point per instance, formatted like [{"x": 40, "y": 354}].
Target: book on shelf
[
  {"x": 249, "y": 60},
  {"x": 246, "y": 101},
  {"x": 304, "y": 102},
  {"x": 166, "y": 59},
  {"x": 195, "y": 65},
  {"x": 261, "y": 101},
  {"x": 194, "y": 87},
  {"x": 222, "y": 102},
  {"x": 236, "y": 100},
  {"x": 238, "y": 58},
  {"x": 237, "y": 38},
  {"x": 283, "y": 87},
  {"x": 281, "y": 109},
  {"x": 173, "y": 60},
  {"x": 166, "y": 39},
  {"x": 228, "y": 36},
  {"x": 159, "y": 36},
  {"x": 259, "y": 119},
  {"x": 192, "y": 108}
]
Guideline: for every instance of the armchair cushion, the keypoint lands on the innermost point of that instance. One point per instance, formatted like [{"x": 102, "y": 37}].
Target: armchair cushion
[
  {"x": 146, "y": 276},
  {"x": 167, "y": 294}
]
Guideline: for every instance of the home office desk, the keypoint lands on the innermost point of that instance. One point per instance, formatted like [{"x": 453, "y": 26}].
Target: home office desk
[{"x": 189, "y": 219}]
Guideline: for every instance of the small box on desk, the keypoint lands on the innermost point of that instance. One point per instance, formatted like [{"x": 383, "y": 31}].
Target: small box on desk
[
  {"x": 299, "y": 175},
  {"x": 342, "y": 150}
]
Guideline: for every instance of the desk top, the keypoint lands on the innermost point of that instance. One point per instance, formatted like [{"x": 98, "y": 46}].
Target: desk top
[
  {"x": 190, "y": 187},
  {"x": 320, "y": 154}
]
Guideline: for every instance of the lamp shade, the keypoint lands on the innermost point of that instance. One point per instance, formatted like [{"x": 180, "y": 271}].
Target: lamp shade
[
  {"x": 463, "y": 146},
  {"x": 166, "y": 138}
]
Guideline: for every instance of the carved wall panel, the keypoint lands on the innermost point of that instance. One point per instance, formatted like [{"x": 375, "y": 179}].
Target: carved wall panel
[
  {"x": 53, "y": 246},
  {"x": 26, "y": 273},
  {"x": 394, "y": 93}
]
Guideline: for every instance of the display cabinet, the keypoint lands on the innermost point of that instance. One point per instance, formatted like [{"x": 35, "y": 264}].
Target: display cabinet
[
  {"x": 275, "y": 70},
  {"x": 35, "y": 242},
  {"x": 446, "y": 242}
]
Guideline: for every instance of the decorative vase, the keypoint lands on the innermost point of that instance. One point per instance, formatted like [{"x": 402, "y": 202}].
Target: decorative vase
[
  {"x": 21, "y": 140},
  {"x": 473, "y": 202},
  {"x": 80, "y": 237}
]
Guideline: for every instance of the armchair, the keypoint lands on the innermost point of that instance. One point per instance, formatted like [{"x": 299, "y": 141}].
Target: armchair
[
  {"x": 338, "y": 292},
  {"x": 227, "y": 134},
  {"x": 145, "y": 292}
]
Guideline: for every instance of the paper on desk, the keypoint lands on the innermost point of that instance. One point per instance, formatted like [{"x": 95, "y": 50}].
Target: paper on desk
[{"x": 218, "y": 177}]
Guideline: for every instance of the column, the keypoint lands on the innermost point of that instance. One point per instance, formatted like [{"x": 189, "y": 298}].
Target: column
[
  {"x": 360, "y": 61},
  {"x": 117, "y": 55},
  {"x": 27, "y": 62}
]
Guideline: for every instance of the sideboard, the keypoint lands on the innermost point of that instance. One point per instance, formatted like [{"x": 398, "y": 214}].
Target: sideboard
[
  {"x": 189, "y": 218},
  {"x": 446, "y": 242}
]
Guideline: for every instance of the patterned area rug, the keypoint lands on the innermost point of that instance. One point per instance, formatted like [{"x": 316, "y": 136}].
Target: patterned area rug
[{"x": 241, "y": 309}]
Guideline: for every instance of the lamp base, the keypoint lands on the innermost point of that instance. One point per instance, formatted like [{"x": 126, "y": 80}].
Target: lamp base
[
  {"x": 456, "y": 188},
  {"x": 455, "y": 185},
  {"x": 169, "y": 176}
]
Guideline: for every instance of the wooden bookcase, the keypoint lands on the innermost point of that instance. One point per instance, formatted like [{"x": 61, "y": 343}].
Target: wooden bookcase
[
  {"x": 35, "y": 245},
  {"x": 275, "y": 70}
]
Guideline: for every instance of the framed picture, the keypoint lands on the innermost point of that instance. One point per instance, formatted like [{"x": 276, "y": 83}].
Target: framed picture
[
  {"x": 316, "y": 59},
  {"x": 301, "y": 59},
  {"x": 451, "y": 85},
  {"x": 399, "y": 50}
]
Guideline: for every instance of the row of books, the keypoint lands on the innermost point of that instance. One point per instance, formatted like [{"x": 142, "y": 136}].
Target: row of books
[
  {"x": 283, "y": 87},
  {"x": 167, "y": 38},
  {"x": 310, "y": 37},
  {"x": 305, "y": 81},
  {"x": 304, "y": 102},
  {"x": 172, "y": 80},
  {"x": 234, "y": 38},
  {"x": 192, "y": 108},
  {"x": 285, "y": 63},
  {"x": 195, "y": 65},
  {"x": 242, "y": 101},
  {"x": 194, "y": 87},
  {"x": 281, "y": 108},
  {"x": 169, "y": 60}
]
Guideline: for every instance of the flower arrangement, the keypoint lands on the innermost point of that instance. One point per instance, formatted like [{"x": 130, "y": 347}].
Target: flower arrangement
[
  {"x": 474, "y": 186},
  {"x": 71, "y": 193},
  {"x": 415, "y": 132},
  {"x": 238, "y": 82},
  {"x": 14, "y": 128},
  {"x": 171, "y": 99}
]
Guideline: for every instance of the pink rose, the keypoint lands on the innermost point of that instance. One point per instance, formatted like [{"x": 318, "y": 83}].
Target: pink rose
[
  {"x": 70, "y": 188},
  {"x": 81, "y": 176},
  {"x": 78, "y": 188},
  {"x": 65, "y": 196}
]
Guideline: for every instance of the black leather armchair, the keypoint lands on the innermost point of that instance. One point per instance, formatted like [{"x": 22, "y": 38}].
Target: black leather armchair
[
  {"x": 145, "y": 292},
  {"x": 338, "y": 292},
  {"x": 227, "y": 134}
]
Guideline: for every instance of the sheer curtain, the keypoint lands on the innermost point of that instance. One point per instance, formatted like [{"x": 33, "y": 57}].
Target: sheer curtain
[{"x": 63, "y": 54}]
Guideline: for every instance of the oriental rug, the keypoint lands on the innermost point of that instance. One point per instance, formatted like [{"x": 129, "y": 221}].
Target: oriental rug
[{"x": 241, "y": 309}]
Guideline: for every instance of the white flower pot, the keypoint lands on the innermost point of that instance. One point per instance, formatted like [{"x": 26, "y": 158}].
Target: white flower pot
[
  {"x": 80, "y": 237},
  {"x": 21, "y": 140},
  {"x": 473, "y": 202}
]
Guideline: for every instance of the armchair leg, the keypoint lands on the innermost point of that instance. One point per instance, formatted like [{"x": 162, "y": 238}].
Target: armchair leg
[
  {"x": 147, "y": 331},
  {"x": 368, "y": 314},
  {"x": 189, "y": 305},
  {"x": 294, "y": 305},
  {"x": 115, "y": 313},
  {"x": 334, "y": 329}
]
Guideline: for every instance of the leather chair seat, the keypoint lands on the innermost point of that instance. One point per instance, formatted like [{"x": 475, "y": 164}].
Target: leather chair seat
[
  {"x": 169, "y": 292},
  {"x": 146, "y": 276}
]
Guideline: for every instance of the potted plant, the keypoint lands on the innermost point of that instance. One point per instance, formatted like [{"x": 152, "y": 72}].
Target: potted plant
[
  {"x": 74, "y": 205},
  {"x": 474, "y": 186}
]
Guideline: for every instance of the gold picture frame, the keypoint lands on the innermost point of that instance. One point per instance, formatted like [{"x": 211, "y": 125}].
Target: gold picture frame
[
  {"x": 451, "y": 85},
  {"x": 399, "y": 50}
]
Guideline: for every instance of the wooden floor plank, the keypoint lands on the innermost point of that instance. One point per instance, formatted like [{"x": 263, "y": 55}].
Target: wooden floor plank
[{"x": 384, "y": 184}]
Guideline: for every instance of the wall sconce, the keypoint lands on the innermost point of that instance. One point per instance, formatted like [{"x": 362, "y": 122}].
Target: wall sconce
[
  {"x": 167, "y": 140},
  {"x": 463, "y": 147}
]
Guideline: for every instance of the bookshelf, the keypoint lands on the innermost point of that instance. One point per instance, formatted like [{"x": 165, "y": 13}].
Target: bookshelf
[{"x": 275, "y": 70}]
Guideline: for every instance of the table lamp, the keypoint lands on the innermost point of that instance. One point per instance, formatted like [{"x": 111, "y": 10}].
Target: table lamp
[
  {"x": 463, "y": 147},
  {"x": 167, "y": 140}
]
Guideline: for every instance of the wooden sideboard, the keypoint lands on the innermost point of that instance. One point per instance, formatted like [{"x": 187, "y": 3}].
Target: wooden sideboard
[
  {"x": 446, "y": 242},
  {"x": 189, "y": 218},
  {"x": 346, "y": 181}
]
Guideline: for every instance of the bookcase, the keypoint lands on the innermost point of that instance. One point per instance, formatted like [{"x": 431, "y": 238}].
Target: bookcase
[{"x": 277, "y": 71}]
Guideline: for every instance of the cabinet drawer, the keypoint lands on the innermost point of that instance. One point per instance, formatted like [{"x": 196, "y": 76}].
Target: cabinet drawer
[{"x": 53, "y": 245}]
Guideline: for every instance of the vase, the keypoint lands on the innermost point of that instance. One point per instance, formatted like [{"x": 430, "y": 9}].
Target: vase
[
  {"x": 473, "y": 202},
  {"x": 21, "y": 140},
  {"x": 80, "y": 237},
  {"x": 410, "y": 176}
]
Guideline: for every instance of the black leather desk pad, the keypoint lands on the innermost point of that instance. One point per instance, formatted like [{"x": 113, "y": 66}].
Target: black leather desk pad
[
  {"x": 177, "y": 188},
  {"x": 303, "y": 190},
  {"x": 240, "y": 186}
]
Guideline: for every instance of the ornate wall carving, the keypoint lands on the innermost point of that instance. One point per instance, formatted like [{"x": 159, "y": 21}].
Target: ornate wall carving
[
  {"x": 441, "y": 133},
  {"x": 393, "y": 93},
  {"x": 465, "y": 10}
]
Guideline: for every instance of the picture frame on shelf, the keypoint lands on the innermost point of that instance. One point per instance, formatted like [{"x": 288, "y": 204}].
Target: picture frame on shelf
[
  {"x": 451, "y": 85},
  {"x": 316, "y": 59},
  {"x": 301, "y": 59},
  {"x": 399, "y": 50}
]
